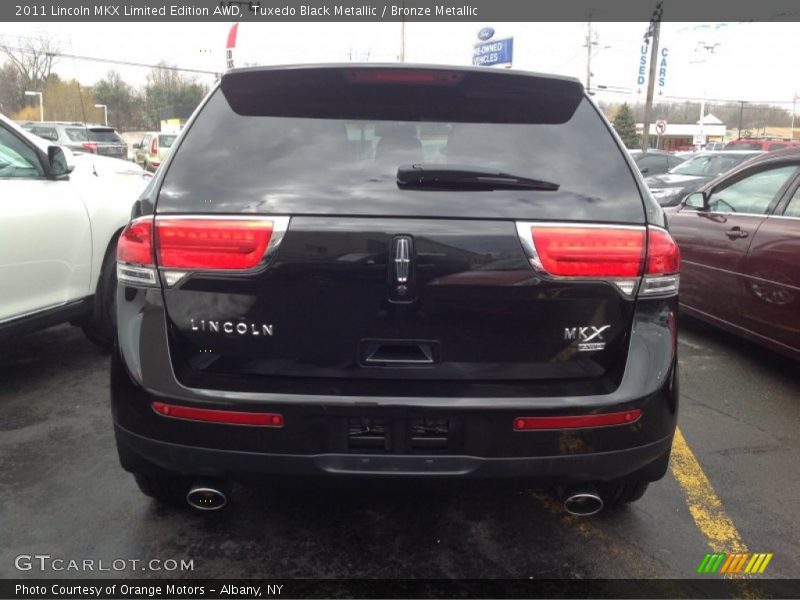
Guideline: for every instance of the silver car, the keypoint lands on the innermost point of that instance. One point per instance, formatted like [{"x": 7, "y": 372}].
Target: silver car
[{"x": 80, "y": 137}]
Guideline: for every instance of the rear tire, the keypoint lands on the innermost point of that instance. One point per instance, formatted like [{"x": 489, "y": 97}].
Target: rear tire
[
  {"x": 617, "y": 493},
  {"x": 168, "y": 489},
  {"x": 101, "y": 326}
]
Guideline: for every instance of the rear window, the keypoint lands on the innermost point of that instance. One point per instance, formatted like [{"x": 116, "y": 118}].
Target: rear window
[
  {"x": 104, "y": 135},
  {"x": 331, "y": 141},
  {"x": 165, "y": 141},
  {"x": 76, "y": 134}
]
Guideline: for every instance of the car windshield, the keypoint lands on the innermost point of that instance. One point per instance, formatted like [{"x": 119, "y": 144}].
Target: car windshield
[
  {"x": 709, "y": 165},
  {"x": 47, "y": 133}
]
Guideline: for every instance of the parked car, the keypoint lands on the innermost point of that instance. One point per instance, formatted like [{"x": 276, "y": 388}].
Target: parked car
[
  {"x": 60, "y": 218},
  {"x": 153, "y": 149},
  {"x": 669, "y": 189},
  {"x": 655, "y": 162},
  {"x": 767, "y": 145},
  {"x": 80, "y": 137},
  {"x": 311, "y": 313},
  {"x": 740, "y": 239}
]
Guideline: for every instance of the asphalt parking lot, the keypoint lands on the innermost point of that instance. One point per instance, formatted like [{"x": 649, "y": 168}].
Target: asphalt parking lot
[{"x": 733, "y": 486}]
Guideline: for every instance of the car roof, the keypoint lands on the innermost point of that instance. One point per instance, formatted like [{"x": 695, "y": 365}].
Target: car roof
[
  {"x": 777, "y": 157},
  {"x": 653, "y": 151},
  {"x": 730, "y": 153}
]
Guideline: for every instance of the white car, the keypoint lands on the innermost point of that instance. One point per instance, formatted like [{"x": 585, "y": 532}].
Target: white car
[{"x": 60, "y": 216}]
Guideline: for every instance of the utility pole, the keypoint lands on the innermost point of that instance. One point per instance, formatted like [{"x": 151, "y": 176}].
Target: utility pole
[
  {"x": 403, "y": 35},
  {"x": 741, "y": 112},
  {"x": 794, "y": 107},
  {"x": 588, "y": 46},
  {"x": 653, "y": 31}
]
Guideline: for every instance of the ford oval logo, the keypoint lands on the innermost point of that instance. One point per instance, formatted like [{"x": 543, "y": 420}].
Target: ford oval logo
[{"x": 486, "y": 33}]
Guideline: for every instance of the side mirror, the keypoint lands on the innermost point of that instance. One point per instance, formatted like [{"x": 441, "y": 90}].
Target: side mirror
[
  {"x": 57, "y": 159},
  {"x": 644, "y": 170},
  {"x": 70, "y": 159},
  {"x": 696, "y": 201}
]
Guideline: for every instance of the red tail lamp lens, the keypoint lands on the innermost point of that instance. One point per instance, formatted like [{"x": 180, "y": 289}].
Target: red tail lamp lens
[
  {"x": 226, "y": 417},
  {"x": 135, "y": 243},
  {"x": 212, "y": 243},
  {"x": 663, "y": 254},
  {"x": 577, "y": 422},
  {"x": 590, "y": 251}
]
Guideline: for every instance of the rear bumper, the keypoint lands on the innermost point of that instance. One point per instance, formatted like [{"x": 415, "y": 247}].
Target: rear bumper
[
  {"x": 644, "y": 461},
  {"x": 315, "y": 440}
]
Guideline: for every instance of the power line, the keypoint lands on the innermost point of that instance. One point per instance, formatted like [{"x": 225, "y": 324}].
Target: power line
[
  {"x": 620, "y": 90},
  {"x": 118, "y": 62}
]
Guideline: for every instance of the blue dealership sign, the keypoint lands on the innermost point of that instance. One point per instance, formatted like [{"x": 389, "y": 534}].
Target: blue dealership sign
[{"x": 495, "y": 52}]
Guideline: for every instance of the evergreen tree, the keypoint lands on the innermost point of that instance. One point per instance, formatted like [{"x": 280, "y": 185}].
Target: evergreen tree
[{"x": 626, "y": 127}]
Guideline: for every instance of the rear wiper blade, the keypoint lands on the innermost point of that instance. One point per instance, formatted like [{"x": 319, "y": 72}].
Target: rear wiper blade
[{"x": 452, "y": 177}]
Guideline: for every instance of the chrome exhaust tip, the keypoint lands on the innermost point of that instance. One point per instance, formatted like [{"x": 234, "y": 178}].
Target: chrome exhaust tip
[
  {"x": 206, "y": 496},
  {"x": 582, "y": 500}
]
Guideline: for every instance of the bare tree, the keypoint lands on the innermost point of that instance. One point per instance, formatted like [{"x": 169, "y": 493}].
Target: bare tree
[{"x": 32, "y": 57}]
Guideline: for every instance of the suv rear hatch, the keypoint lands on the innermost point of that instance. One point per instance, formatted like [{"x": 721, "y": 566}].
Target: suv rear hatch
[{"x": 396, "y": 207}]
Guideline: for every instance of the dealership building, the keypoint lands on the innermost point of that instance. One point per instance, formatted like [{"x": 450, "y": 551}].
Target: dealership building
[{"x": 683, "y": 136}]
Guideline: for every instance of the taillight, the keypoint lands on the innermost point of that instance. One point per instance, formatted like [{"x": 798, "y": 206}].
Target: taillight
[
  {"x": 154, "y": 145},
  {"x": 180, "y": 245},
  {"x": 212, "y": 243},
  {"x": 589, "y": 251},
  {"x": 662, "y": 275},
  {"x": 663, "y": 255},
  {"x": 577, "y": 421},
  {"x": 135, "y": 245},
  {"x": 90, "y": 147},
  {"x": 619, "y": 254},
  {"x": 135, "y": 257},
  {"x": 226, "y": 417}
]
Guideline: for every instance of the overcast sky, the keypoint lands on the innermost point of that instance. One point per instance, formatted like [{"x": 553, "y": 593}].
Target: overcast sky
[{"x": 752, "y": 61}]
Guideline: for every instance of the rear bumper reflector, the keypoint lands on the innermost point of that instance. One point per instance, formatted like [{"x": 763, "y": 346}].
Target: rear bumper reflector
[
  {"x": 577, "y": 422},
  {"x": 225, "y": 417}
]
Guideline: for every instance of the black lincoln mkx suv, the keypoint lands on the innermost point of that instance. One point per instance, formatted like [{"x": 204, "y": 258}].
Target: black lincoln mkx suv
[{"x": 396, "y": 272}]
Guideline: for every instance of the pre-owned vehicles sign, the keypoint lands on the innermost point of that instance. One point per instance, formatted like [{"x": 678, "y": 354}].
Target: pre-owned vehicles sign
[{"x": 494, "y": 52}]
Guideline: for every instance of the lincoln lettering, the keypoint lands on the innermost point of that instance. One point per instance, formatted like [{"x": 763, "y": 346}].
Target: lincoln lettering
[{"x": 231, "y": 327}]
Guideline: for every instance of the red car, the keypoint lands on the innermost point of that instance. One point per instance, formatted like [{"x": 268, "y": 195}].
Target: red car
[
  {"x": 768, "y": 145},
  {"x": 739, "y": 238}
]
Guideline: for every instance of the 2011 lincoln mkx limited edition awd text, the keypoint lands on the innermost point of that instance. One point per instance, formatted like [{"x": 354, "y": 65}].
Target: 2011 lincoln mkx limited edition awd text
[{"x": 396, "y": 272}]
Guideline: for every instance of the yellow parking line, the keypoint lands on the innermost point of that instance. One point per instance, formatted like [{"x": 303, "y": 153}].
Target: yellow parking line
[{"x": 704, "y": 505}]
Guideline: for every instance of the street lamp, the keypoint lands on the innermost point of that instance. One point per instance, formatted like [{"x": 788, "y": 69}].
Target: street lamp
[
  {"x": 41, "y": 103},
  {"x": 105, "y": 112}
]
